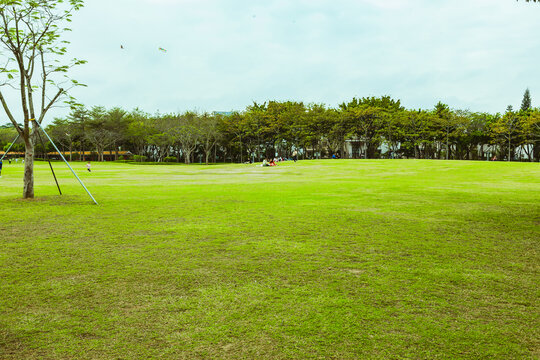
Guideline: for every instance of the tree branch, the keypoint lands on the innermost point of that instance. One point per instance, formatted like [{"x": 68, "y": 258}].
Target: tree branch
[
  {"x": 44, "y": 111},
  {"x": 9, "y": 114}
]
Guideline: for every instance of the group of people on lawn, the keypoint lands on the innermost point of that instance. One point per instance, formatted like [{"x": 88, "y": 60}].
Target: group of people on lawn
[{"x": 272, "y": 162}]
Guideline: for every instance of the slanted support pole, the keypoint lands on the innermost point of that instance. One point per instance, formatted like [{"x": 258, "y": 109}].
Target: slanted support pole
[
  {"x": 63, "y": 158},
  {"x": 50, "y": 165},
  {"x": 10, "y": 146}
]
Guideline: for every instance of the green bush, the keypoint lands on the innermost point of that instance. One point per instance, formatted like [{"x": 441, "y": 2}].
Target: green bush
[
  {"x": 139, "y": 158},
  {"x": 170, "y": 159}
]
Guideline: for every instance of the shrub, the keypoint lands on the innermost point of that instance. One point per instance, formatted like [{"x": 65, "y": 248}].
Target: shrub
[
  {"x": 170, "y": 159},
  {"x": 139, "y": 158}
]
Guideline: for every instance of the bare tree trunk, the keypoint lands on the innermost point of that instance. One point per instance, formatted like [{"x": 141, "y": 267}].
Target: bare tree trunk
[
  {"x": 241, "y": 155},
  {"x": 528, "y": 152},
  {"x": 447, "y": 147},
  {"x": 207, "y": 151},
  {"x": 509, "y": 148},
  {"x": 258, "y": 149},
  {"x": 28, "y": 190}
]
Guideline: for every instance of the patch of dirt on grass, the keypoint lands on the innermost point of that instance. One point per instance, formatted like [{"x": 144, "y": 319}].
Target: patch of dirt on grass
[
  {"x": 13, "y": 347},
  {"x": 54, "y": 200},
  {"x": 89, "y": 336}
]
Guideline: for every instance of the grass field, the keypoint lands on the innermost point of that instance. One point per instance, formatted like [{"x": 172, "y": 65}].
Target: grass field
[{"x": 345, "y": 259}]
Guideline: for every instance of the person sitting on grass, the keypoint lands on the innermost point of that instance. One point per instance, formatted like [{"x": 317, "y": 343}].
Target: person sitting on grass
[
  {"x": 272, "y": 162},
  {"x": 265, "y": 163}
]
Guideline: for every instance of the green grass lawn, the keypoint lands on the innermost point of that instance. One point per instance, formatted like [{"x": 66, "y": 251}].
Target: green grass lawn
[{"x": 344, "y": 259}]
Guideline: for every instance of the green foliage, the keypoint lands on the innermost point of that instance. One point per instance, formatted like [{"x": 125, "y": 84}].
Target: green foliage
[
  {"x": 32, "y": 47},
  {"x": 507, "y": 131},
  {"x": 139, "y": 158},
  {"x": 526, "y": 103},
  {"x": 31, "y": 33},
  {"x": 7, "y": 135},
  {"x": 365, "y": 127}
]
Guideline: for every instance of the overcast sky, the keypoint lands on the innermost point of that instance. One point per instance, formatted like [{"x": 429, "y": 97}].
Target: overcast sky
[{"x": 225, "y": 54}]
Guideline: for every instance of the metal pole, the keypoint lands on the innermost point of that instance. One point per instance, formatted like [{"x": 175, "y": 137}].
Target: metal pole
[
  {"x": 10, "y": 146},
  {"x": 63, "y": 158},
  {"x": 49, "y": 160}
]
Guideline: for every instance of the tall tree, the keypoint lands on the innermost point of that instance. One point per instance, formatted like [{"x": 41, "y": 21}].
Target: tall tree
[
  {"x": 138, "y": 131},
  {"x": 31, "y": 42},
  {"x": 79, "y": 117},
  {"x": 337, "y": 130},
  {"x": 118, "y": 123},
  {"x": 478, "y": 132},
  {"x": 531, "y": 133},
  {"x": 506, "y": 130},
  {"x": 526, "y": 102},
  {"x": 447, "y": 121},
  {"x": 186, "y": 131},
  {"x": 366, "y": 117},
  {"x": 62, "y": 131},
  {"x": 162, "y": 137},
  {"x": 209, "y": 133},
  {"x": 234, "y": 129},
  {"x": 260, "y": 124},
  {"x": 99, "y": 131},
  {"x": 317, "y": 118}
]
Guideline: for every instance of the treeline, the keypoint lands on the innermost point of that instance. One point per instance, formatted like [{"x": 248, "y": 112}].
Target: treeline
[{"x": 370, "y": 127}]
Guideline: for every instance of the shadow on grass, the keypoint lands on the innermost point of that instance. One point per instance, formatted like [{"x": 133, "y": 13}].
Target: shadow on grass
[
  {"x": 13, "y": 346},
  {"x": 53, "y": 200}
]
